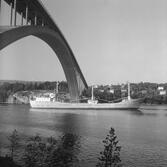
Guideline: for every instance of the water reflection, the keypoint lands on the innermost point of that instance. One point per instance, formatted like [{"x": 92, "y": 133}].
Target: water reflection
[
  {"x": 73, "y": 123},
  {"x": 150, "y": 114},
  {"x": 142, "y": 112},
  {"x": 135, "y": 112}
]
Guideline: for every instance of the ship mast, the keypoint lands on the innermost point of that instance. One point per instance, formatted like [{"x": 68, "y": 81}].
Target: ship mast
[
  {"x": 92, "y": 98},
  {"x": 57, "y": 90},
  {"x": 57, "y": 87},
  {"x": 129, "y": 98}
]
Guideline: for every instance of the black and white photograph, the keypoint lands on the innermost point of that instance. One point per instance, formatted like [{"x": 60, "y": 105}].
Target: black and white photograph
[{"x": 83, "y": 83}]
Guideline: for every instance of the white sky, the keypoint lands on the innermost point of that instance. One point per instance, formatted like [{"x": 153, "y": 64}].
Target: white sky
[{"x": 114, "y": 41}]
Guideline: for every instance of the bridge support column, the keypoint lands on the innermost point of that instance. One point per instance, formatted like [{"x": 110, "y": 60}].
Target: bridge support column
[
  {"x": 15, "y": 12},
  {"x": 22, "y": 18},
  {"x": 11, "y": 14},
  {"x": 27, "y": 14}
]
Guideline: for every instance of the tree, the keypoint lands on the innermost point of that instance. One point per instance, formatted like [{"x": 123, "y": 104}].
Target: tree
[
  {"x": 51, "y": 152},
  {"x": 14, "y": 143},
  {"x": 34, "y": 152},
  {"x": 110, "y": 157},
  {"x": 66, "y": 153}
]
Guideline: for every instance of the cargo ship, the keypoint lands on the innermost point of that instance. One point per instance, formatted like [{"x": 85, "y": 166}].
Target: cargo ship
[{"x": 51, "y": 102}]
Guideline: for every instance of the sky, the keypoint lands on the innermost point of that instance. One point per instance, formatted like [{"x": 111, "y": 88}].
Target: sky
[{"x": 114, "y": 41}]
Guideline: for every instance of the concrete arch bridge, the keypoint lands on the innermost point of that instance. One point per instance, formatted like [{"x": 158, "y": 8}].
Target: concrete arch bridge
[{"x": 36, "y": 21}]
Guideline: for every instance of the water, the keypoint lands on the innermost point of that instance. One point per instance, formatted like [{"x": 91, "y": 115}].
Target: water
[{"x": 142, "y": 134}]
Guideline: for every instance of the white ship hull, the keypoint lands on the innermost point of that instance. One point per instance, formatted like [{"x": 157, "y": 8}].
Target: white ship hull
[{"x": 125, "y": 104}]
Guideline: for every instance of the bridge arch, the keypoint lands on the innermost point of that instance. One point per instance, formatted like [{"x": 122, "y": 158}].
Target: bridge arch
[{"x": 73, "y": 74}]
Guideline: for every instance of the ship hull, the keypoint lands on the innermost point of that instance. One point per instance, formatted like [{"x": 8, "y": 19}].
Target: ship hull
[{"x": 128, "y": 104}]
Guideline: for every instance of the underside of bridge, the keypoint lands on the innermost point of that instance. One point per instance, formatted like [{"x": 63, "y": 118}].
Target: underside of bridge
[{"x": 42, "y": 26}]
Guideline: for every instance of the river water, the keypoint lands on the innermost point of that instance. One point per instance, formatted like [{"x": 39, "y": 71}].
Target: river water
[{"x": 142, "y": 134}]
